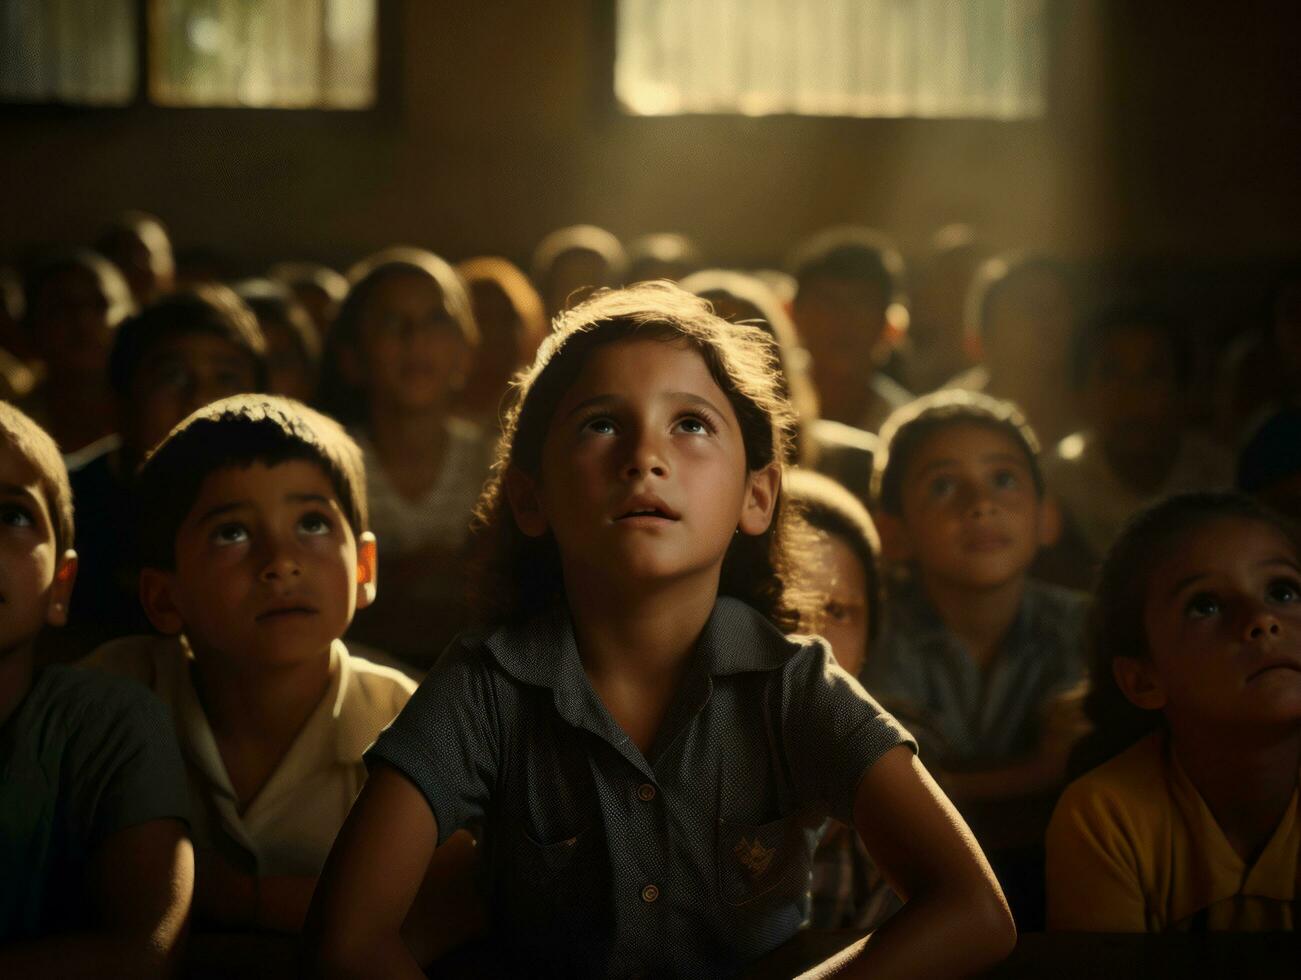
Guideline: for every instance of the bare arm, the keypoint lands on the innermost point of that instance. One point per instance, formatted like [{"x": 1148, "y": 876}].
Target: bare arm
[
  {"x": 955, "y": 919},
  {"x": 140, "y": 883},
  {"x": 370, "y": 880},
  {"x": 227, "y": 898}
]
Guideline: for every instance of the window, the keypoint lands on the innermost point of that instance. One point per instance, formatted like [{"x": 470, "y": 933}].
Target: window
[
  {"x": 268, "y": 53},
  {"x": 925, "y": 58},
  {"x": 80, "y": 51},
  {"x": 292, "y": 54}
]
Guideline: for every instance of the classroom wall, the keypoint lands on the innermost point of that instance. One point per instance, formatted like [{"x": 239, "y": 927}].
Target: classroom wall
[{"x": 1173, "y": 130}]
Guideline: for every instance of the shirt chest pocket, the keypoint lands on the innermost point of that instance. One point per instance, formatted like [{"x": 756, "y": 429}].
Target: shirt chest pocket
[{"x": 763, "y": 862}]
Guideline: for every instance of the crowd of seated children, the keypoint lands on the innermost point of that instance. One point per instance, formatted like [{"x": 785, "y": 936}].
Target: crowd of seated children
[
  {"x": 75, "y": 303},
  {"x": 512, "y": 322},
  {"x": 613, "y": 725},
  {"x": 292, "y": 338},
  {"x": 1020, "y": 316},
  {"x": 183, "y": 351},
  {"x": 848, "y": 283},
  {"x": 1190, "y": 822},
  {"x": 396, "y": 357},
  {"x": 255, "y": 552},
  {"x": 1131, "y": 369},
  {"x": 138, "y": 244},
  {"x": 570, "y": 262},
  {"x": 96, "y": 868}
]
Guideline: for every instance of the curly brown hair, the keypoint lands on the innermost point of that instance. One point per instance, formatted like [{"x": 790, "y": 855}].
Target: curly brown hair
[{"x": 514, "y": 576}]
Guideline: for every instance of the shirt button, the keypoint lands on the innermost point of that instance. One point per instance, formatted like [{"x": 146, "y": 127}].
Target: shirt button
[
  {"x": 649, "y": 894},
  {"x": 645, "y": 792}
]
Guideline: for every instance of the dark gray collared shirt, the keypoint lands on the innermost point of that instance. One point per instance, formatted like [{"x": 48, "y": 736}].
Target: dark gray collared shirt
[
  {"x": 981, "y": 715},
  {"x": 689, "y": 861}
]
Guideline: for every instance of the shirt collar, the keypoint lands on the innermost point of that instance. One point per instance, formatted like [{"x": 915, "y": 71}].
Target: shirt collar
[{"x": 543, "y": 652}]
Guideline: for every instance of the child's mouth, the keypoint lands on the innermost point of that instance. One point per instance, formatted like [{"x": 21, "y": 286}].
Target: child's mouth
[{"x": 285, "y": 612}]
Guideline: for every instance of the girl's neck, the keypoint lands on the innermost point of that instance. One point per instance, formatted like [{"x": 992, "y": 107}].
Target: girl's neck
[
  {"x": 1246, "y": 784},
  {"x": 980, "y": 618},
  {"x": 640, "y": 634}
]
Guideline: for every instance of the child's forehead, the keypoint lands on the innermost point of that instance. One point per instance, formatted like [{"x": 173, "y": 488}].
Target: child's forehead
[
  {"x": 257, "y": 483},
  {"x": 1225, "y": 546},
  {"x": 20, "y": 476},
  {"x": 642, "y": 363},
  {"x": 967, "y": 441}
]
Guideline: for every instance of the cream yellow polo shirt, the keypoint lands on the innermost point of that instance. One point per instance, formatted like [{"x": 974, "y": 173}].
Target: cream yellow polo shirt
[
  {"x": 1132, "y": 847},
  {"x": 289, "y": 827}
]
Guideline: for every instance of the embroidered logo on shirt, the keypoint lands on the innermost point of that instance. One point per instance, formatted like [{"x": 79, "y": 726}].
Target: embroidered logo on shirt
[{"x": 754, "y": 857}]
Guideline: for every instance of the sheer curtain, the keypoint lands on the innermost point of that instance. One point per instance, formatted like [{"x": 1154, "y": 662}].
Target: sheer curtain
[
  {"x": 927, "y": 58},
  {"x": 76, "y": 51},
  {"x": 264, "y": 53}
]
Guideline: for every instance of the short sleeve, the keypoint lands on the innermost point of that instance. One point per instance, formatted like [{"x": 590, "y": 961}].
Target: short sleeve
[
  {"x": 124, "y": 766},
  {"x": 834, "y": 731},
  {"x": 1092, "y": 864},
  {"x": 446, "y": 740}
]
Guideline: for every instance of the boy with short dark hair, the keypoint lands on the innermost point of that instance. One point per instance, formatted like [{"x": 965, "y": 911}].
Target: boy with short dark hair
[
  {"x": 186, "y": 350},
  {"x": 95, "y": 865},
  {"x": 255, "y": 554},
  {"x": 847, "y": 280},
  {"x": 971, "y": 644}
]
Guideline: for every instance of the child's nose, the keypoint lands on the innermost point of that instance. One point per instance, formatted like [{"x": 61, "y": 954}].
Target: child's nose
[
  {"x": 645, "y": 457},
  {"x": 280, "y": 564},
  {"x": 1261, "y": 623}
]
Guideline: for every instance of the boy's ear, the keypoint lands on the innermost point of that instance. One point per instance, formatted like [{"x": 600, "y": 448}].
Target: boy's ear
[
  {"x": 156, "y": 597},
  {"x": 367, "y": 569},
  {"x": 525, "y": 502},
  {"x": 1139, "y": 683},
  {"x": 896, "y": 544},
  {"x": 1050, "y": 521},
  {"x": 65, "y": 577},
  {"x": 760, "y": 501}
]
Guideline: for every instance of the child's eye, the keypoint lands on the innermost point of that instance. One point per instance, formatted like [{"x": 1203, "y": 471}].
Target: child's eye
[
  {"x": 1283, "y": 590},
  {"x": 230, "y": 534},
  {"x": 1202, "y": 606},
  {"x": 696, "y": 425},
  {"x": 942, "y": 486},
  {"x": 1006, "y": 480},
  {"x": 15, "y": 515},
  {"x": 315, "y": 524},
  {"x": 600, "y": 425}
]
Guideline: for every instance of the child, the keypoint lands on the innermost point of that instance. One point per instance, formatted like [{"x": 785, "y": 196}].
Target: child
[
  {"x": 842, "y": 575},
  {"x": 256, "y": 552},
  {"x": 936, "y": 325},
  {"x": 646, "y": 751},
  {"x": 1196, "y": 663},
  {"x": 1130, "y": 368},
  {"x": 138, "y": 244},
  {"x": 95, "y": 864},
  {"x": 396, "y": 358},
  {"x": 570, "y": 262},
  {"x": 75, "y": 303},
  {"x": 293, "y": 342},
  {"x": 186, "y": 350},
  {"x": 661, "y": 255},
  {"x": 848, "y": 290},
  {"x": 1020, "y": 314},
  {"x": 318, "y": 288},
  {"x": 511, "y": 322},
  {"x": 971, "y": 644}
]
